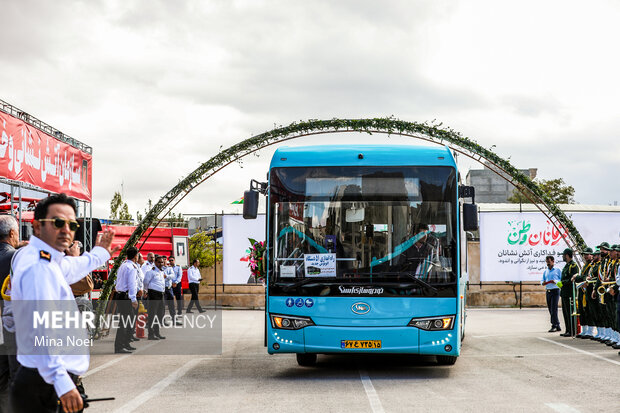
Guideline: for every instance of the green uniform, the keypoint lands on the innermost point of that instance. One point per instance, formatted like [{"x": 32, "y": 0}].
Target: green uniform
[
  {"x": 605, "y": 310},
  {"x": 592, "y": 303},
  {"x": 583, "y": 309},
  {"x": 566, "y": 294}
]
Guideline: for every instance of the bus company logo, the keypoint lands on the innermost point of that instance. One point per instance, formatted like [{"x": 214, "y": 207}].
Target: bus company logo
[
  {"x": 360, "y": 290},
  {"x": 360, "y": 308}
]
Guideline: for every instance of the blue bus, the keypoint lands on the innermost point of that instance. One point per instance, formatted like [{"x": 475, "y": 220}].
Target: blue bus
[{"x": 365, "y": 250}]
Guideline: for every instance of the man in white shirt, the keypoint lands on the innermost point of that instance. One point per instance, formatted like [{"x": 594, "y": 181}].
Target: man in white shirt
[
  {"x": 168, "y": 296},
  {"x": 149, "y": 264},
  {"x": 42, "y": 273},
  {"x": 126, "y": 291},
  {"x": 194, "y": 277},
  {"x": 177, "y": 288},
  {"x": 154, "y": 283}
]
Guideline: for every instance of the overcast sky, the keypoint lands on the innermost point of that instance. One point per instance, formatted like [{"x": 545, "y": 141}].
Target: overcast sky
[{"x": 156, "y": 87}]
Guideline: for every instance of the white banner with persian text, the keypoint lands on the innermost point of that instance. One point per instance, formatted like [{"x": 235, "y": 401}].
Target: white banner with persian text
[
  {"x": 236, "y": 231},
  {"x": 513, "y": 245}
]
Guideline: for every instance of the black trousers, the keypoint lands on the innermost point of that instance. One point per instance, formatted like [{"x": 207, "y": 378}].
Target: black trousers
[
  {"x": 567, "y": 313},
  {"x": 30, "y": 393},
  {"x": 8, "y": 368},
  {"x": 156, "y": 312},
  {"x": 170, "y": 302},
  {"x": 178, "y": 294},
  {"x": 124, "y": 310},
  {"x": 193, "y": 288},
  {"x": 553, "y": 297},
  {"x": 617, "y": 313}
]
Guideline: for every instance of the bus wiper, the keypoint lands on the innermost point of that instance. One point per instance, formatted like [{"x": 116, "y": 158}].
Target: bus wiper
[{"x": 415, "y": 279}]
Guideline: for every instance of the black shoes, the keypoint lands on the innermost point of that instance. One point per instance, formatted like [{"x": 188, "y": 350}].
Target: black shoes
[
  {"x": 129, "y": 347},
  {"x": 202, "y": 311},
  {"x": 153, "y": 338},
  {"x": 565, "y": 335},
  {"x": 122, "y": 351},
  {"x": 554, "y": 329},
  {"x": 134, "y": 338},
  {"x": 161, "y": 337}
]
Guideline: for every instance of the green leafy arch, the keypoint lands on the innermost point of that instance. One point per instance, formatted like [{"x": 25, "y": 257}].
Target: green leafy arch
[{"x": 425, "y": 131}]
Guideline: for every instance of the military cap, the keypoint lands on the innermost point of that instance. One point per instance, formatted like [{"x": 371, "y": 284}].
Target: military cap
[
  {"x": 596, "y": 251},
  {"x": 604, "y": 246},
  {"x": 587, "y": 251},
  {"x": 617, "y": 247},
  {"x": 568, "y": 252}
]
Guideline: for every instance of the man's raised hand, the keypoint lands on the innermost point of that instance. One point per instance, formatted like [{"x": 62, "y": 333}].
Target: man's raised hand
[{"x": 104, "y": 240}]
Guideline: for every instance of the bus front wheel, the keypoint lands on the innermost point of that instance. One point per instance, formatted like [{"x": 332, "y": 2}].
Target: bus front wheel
[
  {"x": 446, "y": 360},
  {"x": 306, "y": 359}
]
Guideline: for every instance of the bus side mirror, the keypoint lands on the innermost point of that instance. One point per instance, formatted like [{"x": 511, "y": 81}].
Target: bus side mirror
[
  {"x": 470, "y": 217},
  {"x": 250, "y": 198},
  {"x": 250, "y": 204}
]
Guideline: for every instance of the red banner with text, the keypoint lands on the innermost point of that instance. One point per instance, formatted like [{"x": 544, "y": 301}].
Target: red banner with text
[{"x": 32, "y": 156}]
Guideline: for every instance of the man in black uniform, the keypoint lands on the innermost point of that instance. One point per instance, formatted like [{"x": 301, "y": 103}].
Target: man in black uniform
[
  {"x": 569, "y": 271},
  {"x": 603, "y": 307},
  {"x": 583, "y": 309},
  {"x": 9, "y": 240}
]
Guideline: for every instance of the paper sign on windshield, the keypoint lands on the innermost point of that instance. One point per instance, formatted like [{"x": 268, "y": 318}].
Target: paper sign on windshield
[{"x": 320, "y": 265}]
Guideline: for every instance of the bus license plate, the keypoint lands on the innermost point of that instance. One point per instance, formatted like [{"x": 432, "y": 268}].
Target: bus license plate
[{"x": 360, "y": 344}]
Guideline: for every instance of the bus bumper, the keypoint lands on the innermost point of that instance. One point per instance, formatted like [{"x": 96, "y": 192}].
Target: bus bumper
[{"x": 322, "y": 339}]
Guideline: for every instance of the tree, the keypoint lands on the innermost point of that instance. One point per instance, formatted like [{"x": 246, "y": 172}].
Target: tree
[
  {"x": 201, "y": 247},
  {"x": 119, "y": 209},
  {"x": 175, "y": 220},
  {"x": 556, "y": 189}
]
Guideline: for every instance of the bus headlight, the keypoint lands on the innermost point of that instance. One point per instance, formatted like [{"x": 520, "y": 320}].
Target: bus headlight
[
  {"x": 287, "y": 322},
  {"x": 433, "y": 323}
]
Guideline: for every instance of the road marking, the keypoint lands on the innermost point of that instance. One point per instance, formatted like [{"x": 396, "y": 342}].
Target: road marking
[
  {"x": 373, "y": 398},
  {"x": 158, "y": 388},
  {"x": 561, "y": 408},
  {"x": 114, "y": 361},
  {"x": 581, "y": 351}
]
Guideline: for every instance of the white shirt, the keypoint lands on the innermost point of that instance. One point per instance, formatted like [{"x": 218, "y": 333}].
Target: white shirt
[
  {"x": 154, "y": 280},
  {"x": 193, "y": 275},
  {"x": 139, "y": 277},
  {"x": 126, "y": 279},
  {"x": 42, "y": 273},
  {"x": 178, "y": 274},
  {"x": 147, "y": 266},
  {"x": 169, "y": 276}
]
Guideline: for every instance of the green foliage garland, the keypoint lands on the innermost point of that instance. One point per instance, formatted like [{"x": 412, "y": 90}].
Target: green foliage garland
[{"x": 428, "y": 131}]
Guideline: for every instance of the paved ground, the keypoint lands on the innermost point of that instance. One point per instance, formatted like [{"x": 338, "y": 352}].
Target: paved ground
[{"x": 509, "y": 363}]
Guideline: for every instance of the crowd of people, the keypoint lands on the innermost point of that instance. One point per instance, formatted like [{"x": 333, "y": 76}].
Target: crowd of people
[
  {"x": 154, "y": 283},
  {"x": 591, "y": 293}
]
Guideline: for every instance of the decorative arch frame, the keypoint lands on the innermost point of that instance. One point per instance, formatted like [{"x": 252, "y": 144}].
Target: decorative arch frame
[{"x": 391, "y": 126}]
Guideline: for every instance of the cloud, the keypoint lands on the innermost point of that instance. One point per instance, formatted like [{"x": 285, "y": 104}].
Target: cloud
[{"x": 158, "y": 87}]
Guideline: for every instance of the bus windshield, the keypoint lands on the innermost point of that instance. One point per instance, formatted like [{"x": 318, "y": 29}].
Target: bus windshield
[{"x": 387, "y": 231}]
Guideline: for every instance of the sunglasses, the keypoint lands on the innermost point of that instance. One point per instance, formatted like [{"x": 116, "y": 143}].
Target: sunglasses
[{"x": 60, "y": 223}]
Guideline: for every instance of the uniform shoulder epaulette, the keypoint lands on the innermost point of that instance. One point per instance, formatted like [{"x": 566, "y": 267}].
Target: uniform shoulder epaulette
[{"x": 45, "y": 255}]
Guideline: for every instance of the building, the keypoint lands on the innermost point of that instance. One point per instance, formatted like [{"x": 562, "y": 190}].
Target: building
[{"x": 491, "y": 187}]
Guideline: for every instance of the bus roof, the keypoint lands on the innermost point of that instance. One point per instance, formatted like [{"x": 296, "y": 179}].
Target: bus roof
[{"x": 373, "y": 155}]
